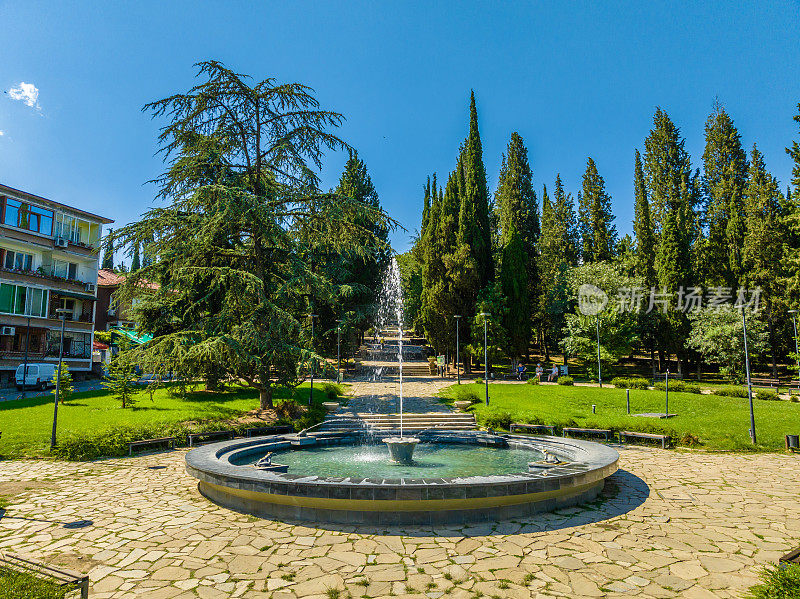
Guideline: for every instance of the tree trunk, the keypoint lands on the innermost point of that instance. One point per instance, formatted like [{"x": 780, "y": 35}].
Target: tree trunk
[
  {"x": 773, "y": 344},
  {"x": 265, "y": 398}
]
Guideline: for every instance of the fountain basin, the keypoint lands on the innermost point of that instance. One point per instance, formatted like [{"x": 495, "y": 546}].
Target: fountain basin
[
  {"x": 330, "y": 406},
  {"x": 225, "y": 478},
  {"x": 401, "y": 449}
]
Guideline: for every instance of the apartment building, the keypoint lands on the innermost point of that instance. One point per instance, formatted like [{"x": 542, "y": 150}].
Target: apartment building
[{"x": 49, "y": 257}]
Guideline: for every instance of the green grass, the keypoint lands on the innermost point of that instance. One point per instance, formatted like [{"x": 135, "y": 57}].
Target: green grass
[
  {"x": 721, "y": 423},
  {"x": 26, "y": 424},
  {"x": 777, "y": 583},
  {"x": 17, "y": 585}
]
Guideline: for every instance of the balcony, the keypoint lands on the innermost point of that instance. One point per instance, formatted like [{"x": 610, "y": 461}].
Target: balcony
[{"x": 43, "y": 273}]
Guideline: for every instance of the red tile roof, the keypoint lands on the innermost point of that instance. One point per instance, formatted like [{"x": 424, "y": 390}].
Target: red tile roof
[{"x": 109, "y": 278}]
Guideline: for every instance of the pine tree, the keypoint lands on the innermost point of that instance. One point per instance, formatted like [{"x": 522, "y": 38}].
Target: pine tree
[
  {"x": 120, "y": 380},
  {"x": 519, "y": 232},
  {"x": 108, "y": 254},
  {"x": 136, "y": 262},
  {"x": 65, "y": 388},
  {"x": 643, "y": 227},
  {"x": 426, "y": 205},
  {"x": 598, "y": 234},
  {"x": 762, "y": 252},
  {"x": 724, "y": 178}
]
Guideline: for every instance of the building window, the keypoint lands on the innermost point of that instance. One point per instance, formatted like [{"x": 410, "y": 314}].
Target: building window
[
  {"x": 25, "y": 216},
  {"x": 27, "y": 301},
  {"x": 18, "y": 261},
  {"x": 65, "y": 270},
  {"x": 76, "y": 345}
]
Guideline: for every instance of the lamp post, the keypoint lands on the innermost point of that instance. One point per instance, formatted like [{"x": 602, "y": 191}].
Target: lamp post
[
  {"x": 458, "y": 364},
  {"x": 311, "y": 394},
  {"x": 338, "y": 351},
  {"x": 796, "y": 352},
  {"x": 25, "y": 362},
  {"x": 486, "y": 354},
  {"x": 599, "y": 374},
  {"x": 62, "y": 313},
  {"x": 749, "y": 386}
]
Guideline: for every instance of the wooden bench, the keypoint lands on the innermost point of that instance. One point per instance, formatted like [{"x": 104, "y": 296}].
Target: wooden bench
[
  {"x": 209, "y": 436},
  {"x": 765, "y": 382},
  {"x": 623, "y": 435},
  {"x": 588, "y": 431},
  {"x": 61, "y": 576},
  {"x": 268, "y": 430},
  {"x": 533, "y": 428},
  {"x": 169, "y": 441}
]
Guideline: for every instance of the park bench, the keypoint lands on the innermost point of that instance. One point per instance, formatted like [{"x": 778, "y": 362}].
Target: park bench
[
  {"x": 664, "y": 439},
  {"x": 588, "y": 431},
  {"x": 268, "y": 430},
  {"x": 209, "y": 436},
  {"x": 168, "y": 441},
  {"x": 662, "y": 376},
  {"x": 533, "y": 428},
  {"x": 765, "y": 382},
  {"x": 78, "y": 582}
]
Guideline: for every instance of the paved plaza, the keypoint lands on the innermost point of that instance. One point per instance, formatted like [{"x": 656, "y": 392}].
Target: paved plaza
[{"x": 670, "y": 523}]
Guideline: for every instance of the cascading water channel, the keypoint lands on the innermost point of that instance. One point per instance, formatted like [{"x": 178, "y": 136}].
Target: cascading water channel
[{"x": 401, "y": 449}]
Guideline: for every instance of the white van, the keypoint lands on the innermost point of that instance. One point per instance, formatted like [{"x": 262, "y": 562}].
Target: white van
[{"x": 39, "y": 376}]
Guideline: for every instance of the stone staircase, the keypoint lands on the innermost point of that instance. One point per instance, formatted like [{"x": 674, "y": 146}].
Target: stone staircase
[
  {"x": 420, "y": 421},
  {"x": 351, "y": 422}
]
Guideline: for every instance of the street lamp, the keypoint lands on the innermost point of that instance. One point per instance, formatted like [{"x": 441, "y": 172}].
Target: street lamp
[
  {"x": 25, "y": 362},
  {"x": 458, "y": 365},
  {"x": 599, "y": 374},
  {"x": 62, "y": 313},
  {"x": 486, "y": 354},
  {"x": 796, "y": 352},
  {"x": 338, "y": 350},
  {"x": 749, "y": 386},
  {"x": 311, "y": 395}
]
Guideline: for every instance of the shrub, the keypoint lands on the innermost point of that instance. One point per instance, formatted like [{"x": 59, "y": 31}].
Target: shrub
[
  {"x": 498, "y": 420},
  {"x": 465, "y": 394},
  {"x": 731, "y": 392},
  {"x": 765, "y": 395},
  {"x": 478, "y": 381},
  {"x": 332, "y": 391},
  {"x": 566, "y": 380},
  {"x": 778, "y": 583},
  {"x": 679, "y": 387},
  {"x": 65, "y": 389},
  {"x": 534, "y": 380},
  {"x": 636, "y": 382}
]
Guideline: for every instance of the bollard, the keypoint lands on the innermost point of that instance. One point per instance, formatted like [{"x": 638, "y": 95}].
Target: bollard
[
  {"x": 594, "y": 409},
  {"x": 628, "y": 400}
]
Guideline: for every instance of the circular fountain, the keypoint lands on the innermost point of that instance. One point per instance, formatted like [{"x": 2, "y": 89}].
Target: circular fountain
[{"x": 346, "y": 475}]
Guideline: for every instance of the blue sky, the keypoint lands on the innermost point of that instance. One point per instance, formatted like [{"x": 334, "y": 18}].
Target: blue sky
[{"x": 574, "y": 79}]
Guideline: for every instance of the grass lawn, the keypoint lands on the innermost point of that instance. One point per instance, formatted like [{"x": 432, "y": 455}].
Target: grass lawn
[
  {"x": 17, "y": 585},
  {"x": 26, "y": 424},
  {"x": 721, "y": 423}
]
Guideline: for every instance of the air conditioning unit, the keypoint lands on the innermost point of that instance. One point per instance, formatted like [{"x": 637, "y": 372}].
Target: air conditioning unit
[
  {"x": 7, "y": 331},
  {"x": 112, "y": 312},
  {"x": 89, "y": 287},
  {"x": 60, "y": 242}
]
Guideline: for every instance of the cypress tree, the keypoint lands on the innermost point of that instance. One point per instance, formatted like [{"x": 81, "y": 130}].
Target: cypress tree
[
  {"x": 643, "y": 227},
  {"x": 473, "y": 219},
  {"x": 762, "y": 252},
  {"x": 673, "y": 194},
  {"x": 724, "y": 178},
  {"x": 108, "y": 254},
  {"x": 598, "y": 233},
  {"x": 426, "y": 205},
  {"x": 519, "y": 229},
  {"x": 792, "y": 222},
  {"x": 136, "y": 262}
]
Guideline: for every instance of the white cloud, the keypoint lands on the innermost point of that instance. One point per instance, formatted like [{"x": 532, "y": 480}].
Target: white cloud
[
  {"x": 2, "y": 133},
  {"x": 26, "y": 92}
]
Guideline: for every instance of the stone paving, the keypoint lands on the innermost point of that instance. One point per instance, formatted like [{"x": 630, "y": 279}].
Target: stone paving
[{"x": 669, "y": 524}]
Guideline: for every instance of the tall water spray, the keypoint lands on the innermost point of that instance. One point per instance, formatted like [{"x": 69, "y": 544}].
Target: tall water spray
[{"x": 390, "y": 313}]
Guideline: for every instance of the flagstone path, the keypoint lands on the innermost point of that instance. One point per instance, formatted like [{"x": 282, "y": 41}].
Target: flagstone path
[{"x": 669, "y": 524}]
